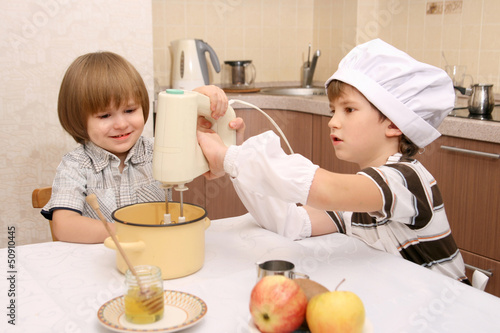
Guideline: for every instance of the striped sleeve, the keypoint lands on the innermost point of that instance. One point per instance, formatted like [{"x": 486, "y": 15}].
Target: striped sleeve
[
  {"x": 407, "y": 199},
  {"x": 412, "y": 221},
  {"x": 338, "y": 219}
]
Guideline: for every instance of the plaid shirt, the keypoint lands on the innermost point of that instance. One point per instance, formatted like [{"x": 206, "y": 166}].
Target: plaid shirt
[{"x": 91, "y": 169}]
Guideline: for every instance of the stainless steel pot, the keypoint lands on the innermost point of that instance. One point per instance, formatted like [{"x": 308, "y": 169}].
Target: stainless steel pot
[{"x": 482, "y": 100}]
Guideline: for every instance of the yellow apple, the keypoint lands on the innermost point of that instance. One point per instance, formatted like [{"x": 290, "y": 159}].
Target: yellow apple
[
  {"x": 277, "y": 304},
  {"x": 336, "y": 311}
]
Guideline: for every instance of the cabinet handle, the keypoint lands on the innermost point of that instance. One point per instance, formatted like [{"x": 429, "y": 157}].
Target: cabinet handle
[
  {"x": 472, "y": 152},
  {"x": 488, "y": 272}
]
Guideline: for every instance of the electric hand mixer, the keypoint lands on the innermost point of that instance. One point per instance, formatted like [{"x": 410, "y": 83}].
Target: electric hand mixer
[{"x": 177, "y": 157}]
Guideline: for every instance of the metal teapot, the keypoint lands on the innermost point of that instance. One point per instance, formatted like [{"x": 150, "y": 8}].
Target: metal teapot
[{"x": 482, "y": 100}]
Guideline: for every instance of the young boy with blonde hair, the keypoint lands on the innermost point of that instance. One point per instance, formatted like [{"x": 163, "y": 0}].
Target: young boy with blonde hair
[
  {"x": 103, "y": 104},
  {"x": 385, "y": 106}
]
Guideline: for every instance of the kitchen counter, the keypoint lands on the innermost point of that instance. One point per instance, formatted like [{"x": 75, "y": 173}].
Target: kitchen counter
[{"x": 474, "y": 129}]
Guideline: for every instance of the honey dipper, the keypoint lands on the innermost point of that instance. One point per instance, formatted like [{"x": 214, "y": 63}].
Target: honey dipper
[{"x": 151, "y": 304}]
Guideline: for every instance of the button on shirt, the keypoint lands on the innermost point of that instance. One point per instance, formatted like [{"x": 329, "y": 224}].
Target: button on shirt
[{"x": 91, "y": 169}]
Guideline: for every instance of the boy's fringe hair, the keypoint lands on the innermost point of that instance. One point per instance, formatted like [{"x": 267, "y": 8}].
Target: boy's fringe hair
[
  {"x": 407, "y": 148},
  {"x": 94, "y": 82}
]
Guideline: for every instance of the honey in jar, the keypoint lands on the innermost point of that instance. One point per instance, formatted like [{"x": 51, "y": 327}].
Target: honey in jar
[{"x": 146, "y": 305}]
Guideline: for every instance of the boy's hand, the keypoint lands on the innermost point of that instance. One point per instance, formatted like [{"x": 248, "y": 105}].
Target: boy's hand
[
  {"x": 215, "y": 151},
  {"x": 218, "y": 105},
  {"x": 218, "y": 99},
  {"x": 237, "y": 124}
]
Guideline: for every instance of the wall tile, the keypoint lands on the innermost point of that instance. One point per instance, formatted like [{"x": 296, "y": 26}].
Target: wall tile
[
  {"x": 472, "y": 11},
  {"x": 490, "y": 40},
  {"x": 491, "y": 9},
  {"x": 451, "y": 36},
  {"x": 416, "y": 13},
  {"x": 469, "y": 38},
  {"x": 488, "y": 60}
]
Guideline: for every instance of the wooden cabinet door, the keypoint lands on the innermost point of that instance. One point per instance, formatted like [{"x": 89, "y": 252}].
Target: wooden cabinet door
[
  {"x": 297, "y": 127},
  {"x": 221, "y": 200},
  {"x": 493, "y": 286},
  {"x": 470, "y": 186}
]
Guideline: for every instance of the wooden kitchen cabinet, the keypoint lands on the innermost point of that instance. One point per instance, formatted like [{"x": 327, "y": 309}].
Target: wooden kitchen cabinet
[
  {"x": 218, "y": 196},
  {"x": 470, "y": 186},
  {"x": 493, "y": 286},
  {"x": 297, "y": 127}
]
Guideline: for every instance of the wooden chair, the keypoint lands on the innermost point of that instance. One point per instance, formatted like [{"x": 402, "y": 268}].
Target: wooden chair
[{"x": 39, "y": 198}]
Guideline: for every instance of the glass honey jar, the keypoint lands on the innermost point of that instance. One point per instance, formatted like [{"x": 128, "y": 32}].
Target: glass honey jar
[{"x": 144, "y": 301}]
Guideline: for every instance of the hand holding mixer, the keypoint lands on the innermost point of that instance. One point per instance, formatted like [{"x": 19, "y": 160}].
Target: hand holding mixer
[{"x": 177, "y": 157}]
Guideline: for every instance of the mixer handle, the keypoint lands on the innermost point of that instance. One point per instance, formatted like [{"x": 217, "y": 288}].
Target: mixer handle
[{"x": 221, "y": 126}]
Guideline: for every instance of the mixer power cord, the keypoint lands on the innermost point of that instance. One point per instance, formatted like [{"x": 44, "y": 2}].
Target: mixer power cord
[{"x": 232, "y": 101}]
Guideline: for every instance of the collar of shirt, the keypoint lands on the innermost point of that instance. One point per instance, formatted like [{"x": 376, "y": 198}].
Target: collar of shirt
[
  {"x": 394, "y": 158},
  {"x": 140, "y": 153}
]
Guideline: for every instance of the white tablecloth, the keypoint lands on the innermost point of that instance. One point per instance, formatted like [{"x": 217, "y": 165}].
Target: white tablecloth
[{"x": 60, "y": 286}]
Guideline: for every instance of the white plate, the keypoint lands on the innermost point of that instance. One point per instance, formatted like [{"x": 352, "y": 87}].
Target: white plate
[
  {"x": 182, "y": 310},
  {"x": 368, "y": 328}
]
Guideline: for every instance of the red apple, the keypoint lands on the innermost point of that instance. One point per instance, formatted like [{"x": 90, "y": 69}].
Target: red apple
[{"x": 277, "y": 304}]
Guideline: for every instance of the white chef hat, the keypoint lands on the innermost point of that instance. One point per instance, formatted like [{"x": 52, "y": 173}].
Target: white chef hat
[{"x": 415, "y": 96}]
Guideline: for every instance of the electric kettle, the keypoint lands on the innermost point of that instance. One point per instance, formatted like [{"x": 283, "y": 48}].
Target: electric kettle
[{"x": 189, "y": 65}]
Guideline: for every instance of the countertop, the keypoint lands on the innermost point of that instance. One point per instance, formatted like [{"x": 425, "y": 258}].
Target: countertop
[{"x": 474, "y": 129}]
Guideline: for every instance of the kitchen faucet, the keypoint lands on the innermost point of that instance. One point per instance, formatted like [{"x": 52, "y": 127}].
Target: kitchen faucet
[{"x": 308, "y": 69}]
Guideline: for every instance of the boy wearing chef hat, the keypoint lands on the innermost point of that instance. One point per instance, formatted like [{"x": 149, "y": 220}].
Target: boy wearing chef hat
[{"x": 385, "y": 107}]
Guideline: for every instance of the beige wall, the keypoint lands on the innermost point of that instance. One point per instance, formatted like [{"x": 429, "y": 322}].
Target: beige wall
[
  {"x": 275, "y": 33},
  {"x": 39, "y": 40},
  {"x": 460, "y": 33}
]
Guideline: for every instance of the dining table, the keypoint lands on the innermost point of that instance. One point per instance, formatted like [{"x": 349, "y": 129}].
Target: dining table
[{"x": 62, "y": 287}]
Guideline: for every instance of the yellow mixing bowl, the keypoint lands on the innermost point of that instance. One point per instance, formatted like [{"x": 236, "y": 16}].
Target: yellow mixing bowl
[{"x": 178, "y": 249}]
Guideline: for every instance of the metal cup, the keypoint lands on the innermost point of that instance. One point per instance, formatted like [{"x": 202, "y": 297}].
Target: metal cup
[
  {"x": 482, "y": 100},
  {"x": 278, "y": 267}
]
